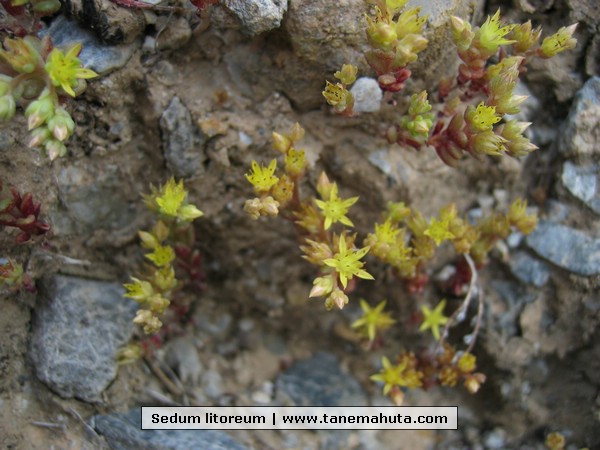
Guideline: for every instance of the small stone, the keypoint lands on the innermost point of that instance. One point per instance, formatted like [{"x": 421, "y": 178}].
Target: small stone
[
  {"x": 95, "y": 55},
  {"x": 257, "y": 16},
  {"x": 182, "y": 356},
  {"x": 379, "y": 159},
  {"x": 180, "y": 140},
  {"x": 582, "y": 182},
  {"x": 212, "y": 384},
  {"x": 78, "y": 327},
  {"x": 264, "y": 395},
  {"x": 367, "y": 95},
  {"x": 318, "y": 381},
  {"x": 581, "y": 133},
  {"x": 494, "y": 439},
  {"x": 529, "y": 270},
  {"x": 566, "y": 247},
  {"x": 514, "y": 239},
  {"x": 123, "y": 431}
]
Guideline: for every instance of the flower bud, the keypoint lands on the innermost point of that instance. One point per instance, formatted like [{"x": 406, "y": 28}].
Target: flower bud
[
  {"x": 338, "y": 298},
  {"x": 188, "y": 213},
  {"x": 39, "y": 136},
  {"x": 157, "y": 303},
  {"x": 321, "y": 286},
  {"x": 148, "y": 240},
  {"x": 324, "y": 186},
  {"x": 281, "y": 143},
  {"x": 129, "y": 354},
  {"x": 150, "y": 322},
  {"x": 461, "y": 33},
  {"x": 474, "y": 382},
  {"x": 7, "y": 107},
  {"x": 40, "y": 110},
  {"x": 161, "y": 231},
  {"x": 252, "y": 207},
  {"x": 488, "y": 143},
  {"x": 525, "y": 37},
  {"x": 270, "y": 206},
  {"x": 283, "y": 191},
  {"x": 296, "y": 132},
  {"x": 559, "y": 42},
  {"x": 347, "y": 75},
  {"x": 61, "y": 124},
  {"x": 4, "y": 84},
  {"x": 54, "y": 149},
  {"x": 381, "y": 34}
]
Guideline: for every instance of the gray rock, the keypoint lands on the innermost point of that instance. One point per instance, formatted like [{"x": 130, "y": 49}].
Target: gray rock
[
  {"x": 582, "y": 182},
  {"x": 367, "y": 95},
  {"x": 123, "y": 432},
  {"x": 92, "y": 197},
  {"x": 78, "y": 327},
  {"x": 581, "y": 133},
  {"x": 566, "y": 247},
  {"x": 318, "y": 381},
  {"x": 95, "y": 55},
  {"x": 112, "y": 23},
  {"x": 258, "y": 16},
  {"x": 181, "y": 146},
  {"x": 528, "y": 269},
  {"x": 556, "y": 211}
]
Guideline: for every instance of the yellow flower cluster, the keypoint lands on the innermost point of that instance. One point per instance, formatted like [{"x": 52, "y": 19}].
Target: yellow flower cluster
[
  {"x": 406, "y": 241},
  {"x": 396, "y": 32},
  {"x": 153, "y": 290},
  {"x": 336, "y": 255},
  {"x": 277, "y": 192},
  {"x": 445, "y": 369},
  {"x": 36, "y": 76}
]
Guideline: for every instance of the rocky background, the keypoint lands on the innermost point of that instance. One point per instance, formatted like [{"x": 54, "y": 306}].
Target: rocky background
[{"x": 198, "y": 97}]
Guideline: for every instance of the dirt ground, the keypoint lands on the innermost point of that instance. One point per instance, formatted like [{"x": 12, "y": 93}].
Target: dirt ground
[{"x": 238, "y": 90}]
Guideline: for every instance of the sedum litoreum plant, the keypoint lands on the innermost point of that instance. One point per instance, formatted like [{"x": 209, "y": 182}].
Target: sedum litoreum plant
[
  {"x": 404, "y": 240},
  {"x": 169, "y": 246},
  {"x": 469, "y": 115},
  {"x": 323, "y": 225},
  {"x": 38, "y": 78},
  {"x": 472, "y": 111}
]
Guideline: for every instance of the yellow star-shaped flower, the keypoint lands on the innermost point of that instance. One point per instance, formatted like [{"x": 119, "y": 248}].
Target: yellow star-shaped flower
[
  {"x": 390, "y": 375},
  {"x": 262, "y": 178},
  {"x": 491, "y": 33},
  {"x": 373, "y": 319},
  {"x": 432, "y": 320},
  {"x": 439, "y": 231},
  {"x": 347, "y": 262},
  {"x": 65, "y": 69},
  {"x": 335, "y": 209}
]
